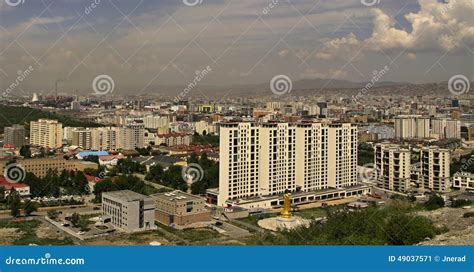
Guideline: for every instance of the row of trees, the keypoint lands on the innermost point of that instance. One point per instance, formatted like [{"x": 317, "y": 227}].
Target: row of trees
[
  {"x": 127, "y": 182},
  {"x": 55, "y": 185},
  {"x": 173, "y": 176},
  {"x": 15, "y": 205}
]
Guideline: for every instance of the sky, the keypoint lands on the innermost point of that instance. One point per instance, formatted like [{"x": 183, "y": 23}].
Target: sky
[{"x": 142, "y": 44}]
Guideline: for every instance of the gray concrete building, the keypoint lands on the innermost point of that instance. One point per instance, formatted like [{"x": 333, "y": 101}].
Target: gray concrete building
[{"x": 129, "y": 211}]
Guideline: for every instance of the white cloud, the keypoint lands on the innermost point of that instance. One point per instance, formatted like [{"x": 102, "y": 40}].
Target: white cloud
[{"x": 436, "y": 27}]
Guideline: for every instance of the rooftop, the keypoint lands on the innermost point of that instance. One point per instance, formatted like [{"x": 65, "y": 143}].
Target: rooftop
[
  {"x": 125, "y": 195},
  {"x": 176, "y": 196}
]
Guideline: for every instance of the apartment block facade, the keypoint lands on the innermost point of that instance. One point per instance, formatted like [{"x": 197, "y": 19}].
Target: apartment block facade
[
  {"x": 435, "y": 169},
  {"x": 46, "y": 133},
  {"x": 393, "y": 167},
  {"x": 270, "y": 158}
]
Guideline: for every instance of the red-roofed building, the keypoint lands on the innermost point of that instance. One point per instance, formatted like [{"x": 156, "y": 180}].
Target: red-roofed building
[
  {"x": 110, "y": 159},
  {"x": 22, "y": 189}
]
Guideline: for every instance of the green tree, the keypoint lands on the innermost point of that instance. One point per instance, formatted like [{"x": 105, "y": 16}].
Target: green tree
[
  {"x": 53, "y": 214},
  {"x": 2, "y": 194},
  {"x": 14, "y": 202},
  {"x": 30, "y": 207},
  {"x": 434, "y": 202},
  {"x": 155, "y": 174},
  {"x": 80, "y": 184},
  {"x": 25, "y": 151},
  {"x": 104, "y": 186}
]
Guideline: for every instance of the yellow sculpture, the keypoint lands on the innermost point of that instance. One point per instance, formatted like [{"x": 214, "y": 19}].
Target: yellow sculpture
[{"x": 285, "y": 213}]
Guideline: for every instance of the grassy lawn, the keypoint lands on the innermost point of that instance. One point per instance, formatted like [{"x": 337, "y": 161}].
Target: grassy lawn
[
  {"x": 191, "y": 235},
  {"x": 311, "y": 213},
  {"x": 28, "y": 230}
]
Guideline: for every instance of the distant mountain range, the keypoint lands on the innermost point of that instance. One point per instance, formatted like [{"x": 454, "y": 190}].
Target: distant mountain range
[{"x": 300, "y": 87}]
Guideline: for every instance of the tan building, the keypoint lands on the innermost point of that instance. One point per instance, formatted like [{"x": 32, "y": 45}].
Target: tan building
[
  {"x": 270, "y": 158},
  {"x": 173, "y": 139},
  {"x": 393, "y": 167},
  {"x": 435, "y": 169},
  {"x": 82, "y": 138},
  {"x": 129, "y": 211},
  {"x": 47, "y": 133},
  {"x": 180, "y": 208},
  {"x": 40, "y": 167}
]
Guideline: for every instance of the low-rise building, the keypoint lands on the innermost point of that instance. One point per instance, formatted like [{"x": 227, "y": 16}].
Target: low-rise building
[
  {"x": 180, "y": 208},
  {"x": 22, "y": 189},
  {"x": 40, "y": 167},
  {"x": 464, "y": 181},
  {"x": 129, "y": 211}
]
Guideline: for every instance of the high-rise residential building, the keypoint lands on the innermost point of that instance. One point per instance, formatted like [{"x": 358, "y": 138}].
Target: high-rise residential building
[
  {"x": 105, "y": 138},
  {"x": 15, "y": 135},
  {"x": 412, "y": 127},
  {"x": 82, "y": 138},
  {"x": 435, "y": 169},
  {"x": 270, "y": 158},
  {"x": 342, "y": 155},
  {"x": 443, "y": 128},
  {"x": 132, "y": 136},
  {"x": 47, "y": 133},
  {"x": 393, "y": 167}
]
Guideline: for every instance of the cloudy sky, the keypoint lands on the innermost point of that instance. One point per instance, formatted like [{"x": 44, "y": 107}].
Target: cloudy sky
[{"x": 147, "y": 43}]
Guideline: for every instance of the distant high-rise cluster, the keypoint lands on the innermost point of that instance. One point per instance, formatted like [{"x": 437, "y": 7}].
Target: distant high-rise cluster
[
  {"x": 270, "y": 158},
  {"x": 418, "y": 127}
]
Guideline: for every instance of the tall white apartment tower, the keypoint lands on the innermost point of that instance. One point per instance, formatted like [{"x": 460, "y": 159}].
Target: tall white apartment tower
[
  {"x": 435, "y": 169},
  {"x": 393, "y": 167},
  {"x": 342, "y": 155},
  {"x": 270, "y": 158},
  {"x": 47, "y": 133},
  {"x": 239, "y": 161}
]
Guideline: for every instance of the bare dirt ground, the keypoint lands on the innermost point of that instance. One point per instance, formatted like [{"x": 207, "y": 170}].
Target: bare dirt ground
[
  {"x": 46, "y": 231},
  {"x": 461, "y": 230},
  {"x": 8, "y": 235},
  {"x": 128, "y": 239}
]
